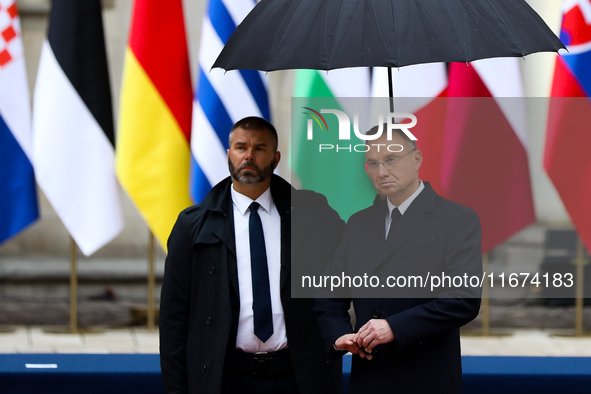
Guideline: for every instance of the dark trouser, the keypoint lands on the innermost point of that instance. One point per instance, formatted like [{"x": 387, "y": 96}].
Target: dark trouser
[{"x": 270, "y": 373}]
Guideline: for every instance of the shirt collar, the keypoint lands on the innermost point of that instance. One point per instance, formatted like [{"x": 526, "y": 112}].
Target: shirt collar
[
  {"x": 243, "y": 202},
  {"x": 404, "y": 206}
]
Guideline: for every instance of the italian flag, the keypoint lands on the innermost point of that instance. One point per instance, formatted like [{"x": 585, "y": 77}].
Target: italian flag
[
  {"x": 339, "y": 175},
  {"x": 153, "y": 155}
]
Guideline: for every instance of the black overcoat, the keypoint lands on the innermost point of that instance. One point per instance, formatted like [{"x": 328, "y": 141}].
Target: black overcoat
[
  {"x": 200, "y": 303},
  {"x": 434, "y": 236}
]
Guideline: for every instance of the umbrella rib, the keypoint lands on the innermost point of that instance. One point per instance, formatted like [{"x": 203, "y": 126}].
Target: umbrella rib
[
  {"x": 278, "y": 38},
  {"x": 408, "y": 42},
  {"x": 383, "y": 36},
  {"x": 461, "y": 49},
  {"x": 396, "y": 63},
  {"x": 330, "y": 48},
  {"x": 514, "y": 39},
  {"x": 338, "y": 15},
  {"x": 530, "y": 18},
  {"x": 279, "y": 35}
]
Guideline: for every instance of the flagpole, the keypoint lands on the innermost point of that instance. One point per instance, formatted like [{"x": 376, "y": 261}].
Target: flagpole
[
  {"x": 485, "y": 309},
  {"x": 73, "y": 327},
  {"x": 580, "y": 288},
  {"x": 151, "y": 283},
  {"x": 73, "y": 286}
]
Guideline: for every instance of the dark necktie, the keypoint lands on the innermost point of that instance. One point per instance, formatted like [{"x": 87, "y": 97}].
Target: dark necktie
[
  {"x": 261, "y": 293},
  {"x": 394, "y": 216}
]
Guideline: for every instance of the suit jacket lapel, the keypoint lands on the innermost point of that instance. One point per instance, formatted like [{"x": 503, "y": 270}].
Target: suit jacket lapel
[
  {"x": 230, "y": 242},
  {"x": 406, "y": 226},
  {"x": 221, "y": 228},
  {"x": 220, "y": 220},
  {"x": 281, "y": 191},
  {"x": 376, "y": 231}
]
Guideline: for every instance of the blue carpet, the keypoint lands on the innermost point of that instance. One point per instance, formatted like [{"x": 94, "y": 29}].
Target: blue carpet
[{"x": 140, "y": 373}]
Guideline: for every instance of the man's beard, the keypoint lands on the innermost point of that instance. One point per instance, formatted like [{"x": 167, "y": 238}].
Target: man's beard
[{"x": 252, "y": 176}]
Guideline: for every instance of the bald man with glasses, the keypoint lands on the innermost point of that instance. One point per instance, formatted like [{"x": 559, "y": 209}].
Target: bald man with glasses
[{"x": 403, "y": 340}]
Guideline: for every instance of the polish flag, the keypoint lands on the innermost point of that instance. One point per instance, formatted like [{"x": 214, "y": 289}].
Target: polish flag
[{"x": 485, "y": 165}]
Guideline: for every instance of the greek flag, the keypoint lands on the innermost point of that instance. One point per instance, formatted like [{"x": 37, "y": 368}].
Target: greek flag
[{"x": 221, "y": 98}]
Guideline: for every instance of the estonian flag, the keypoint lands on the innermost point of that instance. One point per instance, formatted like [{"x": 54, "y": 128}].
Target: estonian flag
[{"x": 73, "y": 138}]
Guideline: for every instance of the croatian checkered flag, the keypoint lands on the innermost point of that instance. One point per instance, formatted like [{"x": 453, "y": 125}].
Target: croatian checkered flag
[
  {"x": 18, "y": 195},
  {"x": 221, "y": 98}
]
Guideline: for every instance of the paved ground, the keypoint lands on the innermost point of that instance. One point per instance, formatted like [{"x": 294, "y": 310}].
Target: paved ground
[
  {"x": 25, "y": 328},
  {"x": 117, "y": 314},
  {"x": 27, "y": 339}
]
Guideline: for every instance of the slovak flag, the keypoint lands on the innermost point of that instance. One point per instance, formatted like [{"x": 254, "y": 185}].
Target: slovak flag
[
  {"x": 18, "y": 195},
  {"x": 566, "y": 157}
]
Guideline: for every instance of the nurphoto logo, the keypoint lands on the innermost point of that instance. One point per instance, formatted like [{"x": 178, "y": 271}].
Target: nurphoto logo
[{"x": 345, "y": 129}]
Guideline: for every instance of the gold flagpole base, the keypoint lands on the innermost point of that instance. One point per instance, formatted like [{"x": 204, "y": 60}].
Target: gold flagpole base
[
  {"x": 79, "y": 330},
  {"x": 485, "y": 330},
  {"x": 485, "y": 305},
  {"x": 569, "y": 333},
  {"x": 580, "y": 263},
  {"x": 73, "y": 328},
  {"x": 492, "y": 333},
  {"x": 139, "y": 316}
]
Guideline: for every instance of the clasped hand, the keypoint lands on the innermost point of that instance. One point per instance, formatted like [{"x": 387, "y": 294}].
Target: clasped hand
[{"x": 374, "y": 332}]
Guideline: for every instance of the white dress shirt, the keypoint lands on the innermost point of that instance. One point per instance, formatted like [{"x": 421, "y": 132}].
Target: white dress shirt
[
  {"x": 402, "y": 207},
  {"x": 246, "y": 340}
]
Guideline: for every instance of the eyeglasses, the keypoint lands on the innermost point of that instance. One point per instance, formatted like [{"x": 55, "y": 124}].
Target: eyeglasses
[{"x": 389, "y": 163}]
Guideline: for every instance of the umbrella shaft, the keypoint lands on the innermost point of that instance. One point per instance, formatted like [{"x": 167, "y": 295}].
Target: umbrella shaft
[{"x": 390, "y": 89}]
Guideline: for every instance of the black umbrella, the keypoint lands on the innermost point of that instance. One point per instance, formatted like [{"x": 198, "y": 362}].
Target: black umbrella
[{"x": 331, "y": 34}]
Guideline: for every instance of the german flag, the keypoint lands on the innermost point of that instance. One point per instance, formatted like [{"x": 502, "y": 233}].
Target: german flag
[{"x": 153, "y": 154}]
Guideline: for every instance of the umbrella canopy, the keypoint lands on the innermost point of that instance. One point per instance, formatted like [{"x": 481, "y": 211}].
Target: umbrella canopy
[{"x": 331, "y": 34}]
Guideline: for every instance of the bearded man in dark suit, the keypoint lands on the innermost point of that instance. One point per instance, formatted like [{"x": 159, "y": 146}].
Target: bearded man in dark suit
[{"x": 228, "y": 323}]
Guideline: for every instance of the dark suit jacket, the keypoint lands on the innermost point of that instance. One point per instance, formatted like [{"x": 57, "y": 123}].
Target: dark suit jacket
[
  {"x": 200, "y": 298},
  {"x": 434, "y": 235}
]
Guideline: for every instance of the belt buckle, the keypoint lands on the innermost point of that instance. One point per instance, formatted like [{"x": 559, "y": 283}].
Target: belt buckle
[{"x": 262, "y": 363}]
